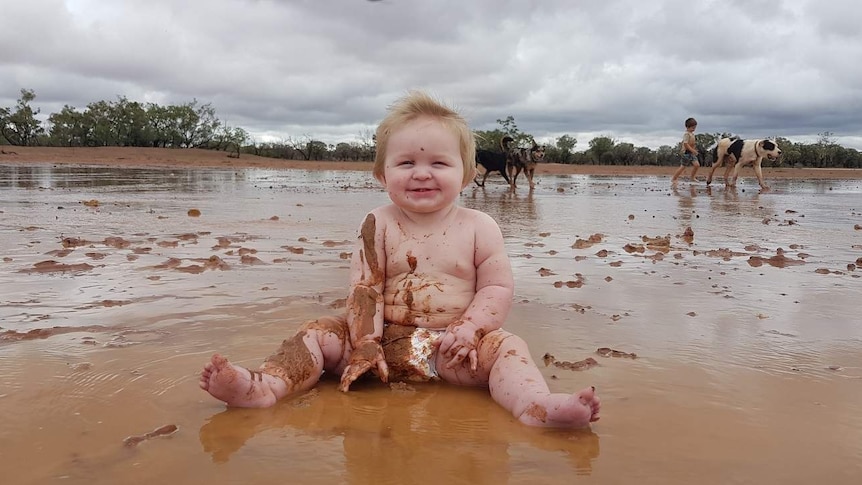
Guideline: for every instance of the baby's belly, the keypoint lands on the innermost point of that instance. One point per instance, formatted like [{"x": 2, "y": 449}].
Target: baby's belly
[{"x": 421, "y": 310}]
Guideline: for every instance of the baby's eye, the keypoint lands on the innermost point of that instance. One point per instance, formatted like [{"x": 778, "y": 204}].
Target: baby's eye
[
  {"x": 405, "y": 162},
  {"x": 441, "y": 163}
]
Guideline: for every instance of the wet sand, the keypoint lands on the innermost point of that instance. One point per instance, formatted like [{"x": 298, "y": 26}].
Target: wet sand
[{"x": 720, "y": 327}]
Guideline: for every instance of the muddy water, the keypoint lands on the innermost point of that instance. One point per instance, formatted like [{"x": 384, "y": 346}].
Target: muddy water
[{"x": 742, "y": 310}]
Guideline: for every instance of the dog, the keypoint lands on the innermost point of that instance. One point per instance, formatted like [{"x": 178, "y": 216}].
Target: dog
[
  {"x": 522, "y": 160},
  {"x": 492, "y": 162},
  {"x": 742, "y": 153}
]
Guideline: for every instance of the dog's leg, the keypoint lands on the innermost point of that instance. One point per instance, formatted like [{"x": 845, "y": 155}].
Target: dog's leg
[
  {"x": 759, "y": 173},
  {"x": 529, "y": 173},
  {"x": 515, "y": 178},
  {"x": 505, "y": 177},
  {"x": 729, "y": 169},
  {"x": 736, "y": 169},
  {"x": 719, "y": 160},
  {"x": 476, "y": 177}
]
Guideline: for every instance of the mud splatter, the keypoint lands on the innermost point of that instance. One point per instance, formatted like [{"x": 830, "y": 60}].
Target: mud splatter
[
  {"x": 536, "y": 411},
  {"x": 212, "y": 263},
  {"x": 411, "y": 262},
  {"x": 571, "y": 283},
  {"x": 332, "y": 244},
  {"x": 367, "y": 234},
  {"x": 165, "y": 430},
  {"x": 658, "y": 243},
  {"x": 609, "y": 352},
  {"x": 777, "y": 261},
  {"x": 580, "y": 365},
  {"x": 248, "y": 259},
  {"x": 688, "y": 235},
  {"x": 583, "y": 244},
  {"x": 363, "y": 304},
  {"x": 43, "y": 333},
  {"x": 73, "y": 242},
  {"x": 52, "y": 266},
  {"x": 634, "y": 248},
  {"x": 293, "y": 362},
  {"x": 116, "y": 242}
]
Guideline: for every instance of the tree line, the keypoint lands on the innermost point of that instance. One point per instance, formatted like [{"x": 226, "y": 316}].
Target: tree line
[{"x": 195, "y": 125}]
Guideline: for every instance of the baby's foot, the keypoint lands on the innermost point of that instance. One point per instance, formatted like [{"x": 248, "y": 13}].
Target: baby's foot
[
  {"x": 564, "y": 410},
  {"x": 238, "y": 386}
]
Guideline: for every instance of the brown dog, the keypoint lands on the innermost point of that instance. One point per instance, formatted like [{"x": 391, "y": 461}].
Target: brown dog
[{"x": 522, "y": 160}]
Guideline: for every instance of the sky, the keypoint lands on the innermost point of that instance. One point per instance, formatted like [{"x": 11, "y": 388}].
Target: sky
[{"x": 632, "y": 70}]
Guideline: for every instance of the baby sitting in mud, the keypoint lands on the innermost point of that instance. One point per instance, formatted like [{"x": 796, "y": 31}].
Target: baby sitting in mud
[{"x": 430, "y": 287}]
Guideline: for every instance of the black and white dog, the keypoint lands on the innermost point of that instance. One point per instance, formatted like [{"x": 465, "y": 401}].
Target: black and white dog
[
  {"x": 739, "y": 153},
  {"x": 493, "y": 161}
]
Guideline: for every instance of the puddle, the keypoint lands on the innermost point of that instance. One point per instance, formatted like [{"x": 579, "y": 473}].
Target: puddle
[{"x": 742, "y": 309}]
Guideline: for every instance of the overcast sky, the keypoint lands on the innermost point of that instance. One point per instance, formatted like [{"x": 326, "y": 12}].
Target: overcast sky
[{"x": 629, "y": 69}]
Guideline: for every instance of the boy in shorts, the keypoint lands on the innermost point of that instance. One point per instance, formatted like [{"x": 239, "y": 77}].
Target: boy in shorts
[
  {"x": 688, "y": 151},
  {"x": 430, "y": 287}
]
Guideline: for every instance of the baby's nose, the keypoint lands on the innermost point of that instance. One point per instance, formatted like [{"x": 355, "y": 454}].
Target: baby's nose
[{"x": 421, "y": 173}]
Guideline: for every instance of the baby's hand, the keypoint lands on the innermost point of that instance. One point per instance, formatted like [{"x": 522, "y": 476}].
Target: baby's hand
[
  {"x": 368, "y": 354},
  {"x": 460, "y": 342}
]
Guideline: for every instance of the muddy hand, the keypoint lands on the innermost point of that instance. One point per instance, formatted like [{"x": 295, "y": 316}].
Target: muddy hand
[
  {"x": 460, "y": 342},
  {"x": 367, "y": 355}
]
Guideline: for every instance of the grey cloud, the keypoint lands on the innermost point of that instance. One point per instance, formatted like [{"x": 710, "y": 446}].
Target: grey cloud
[{"x": 624, "y": 68}]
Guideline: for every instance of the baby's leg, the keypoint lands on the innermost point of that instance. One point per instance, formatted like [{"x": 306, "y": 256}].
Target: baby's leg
[
  {"x": 297, "y": 365},
  {"x": 517, "y": 384}
]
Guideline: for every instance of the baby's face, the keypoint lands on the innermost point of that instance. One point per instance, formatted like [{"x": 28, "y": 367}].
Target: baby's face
[{"x": 423, "y": 169}]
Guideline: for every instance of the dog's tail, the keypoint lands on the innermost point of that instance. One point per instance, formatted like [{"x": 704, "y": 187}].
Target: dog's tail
[{"x": 505, "y": 142}]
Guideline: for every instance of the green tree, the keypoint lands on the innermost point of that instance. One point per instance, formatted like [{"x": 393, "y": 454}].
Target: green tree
[
  {"x": 599, "y": 146},
  {"x": 566, "y": 143},
  {"x": 230, "y": 138},
  {"x": 68, "y": 128},
  {"x": 489, "y": 140},
  {"x": 20, "y": 127},
  {"x": 562, "y": 150},
  {"x": 623, "y": 154},
  {"x": 511, "y": 128}
]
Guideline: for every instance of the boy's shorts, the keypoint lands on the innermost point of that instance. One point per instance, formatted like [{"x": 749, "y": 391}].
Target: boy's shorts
[{"x": 688, "y": 158}]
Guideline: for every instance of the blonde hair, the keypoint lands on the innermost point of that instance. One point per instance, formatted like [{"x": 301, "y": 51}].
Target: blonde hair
[{"x": 417, "y": 104}]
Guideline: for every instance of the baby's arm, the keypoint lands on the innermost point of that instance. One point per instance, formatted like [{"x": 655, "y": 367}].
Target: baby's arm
[
  {"x": 365, "y": 304},
  {"x": 493, "y": 298}
]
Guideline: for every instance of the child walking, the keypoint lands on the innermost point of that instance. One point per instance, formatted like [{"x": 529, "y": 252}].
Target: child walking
[{"x": 688, "y": 151}]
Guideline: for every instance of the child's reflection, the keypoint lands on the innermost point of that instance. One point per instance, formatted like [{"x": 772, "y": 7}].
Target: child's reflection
[{"x": 416, "y": 433}]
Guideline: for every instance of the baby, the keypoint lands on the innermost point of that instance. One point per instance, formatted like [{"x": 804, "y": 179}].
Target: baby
[{"x": 430, "y": 287}]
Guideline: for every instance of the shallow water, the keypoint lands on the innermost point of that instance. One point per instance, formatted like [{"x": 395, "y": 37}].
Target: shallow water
[{"x": 744, "y": 372}]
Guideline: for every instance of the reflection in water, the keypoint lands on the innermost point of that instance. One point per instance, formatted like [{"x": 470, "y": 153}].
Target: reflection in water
[
  {"x": 514, "y": 211},
  {"x": 433, "y": 434}
]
